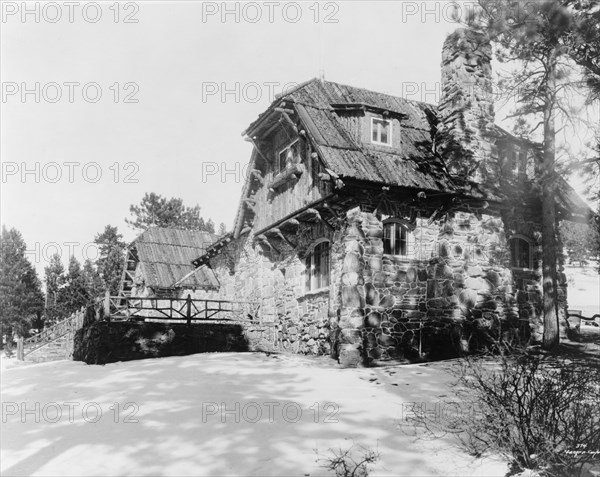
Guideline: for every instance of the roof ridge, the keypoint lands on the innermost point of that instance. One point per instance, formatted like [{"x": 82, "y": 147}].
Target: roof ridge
[
  {"x": 294, "y": 89},
  {"x": 379, "y": 92},
  {"x": 321, "y": 82}
]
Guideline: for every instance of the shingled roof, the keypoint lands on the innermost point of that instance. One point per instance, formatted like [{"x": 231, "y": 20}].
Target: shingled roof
[
  {"x": 165, "y": 257},
  {"x": 319, "y": 103}
]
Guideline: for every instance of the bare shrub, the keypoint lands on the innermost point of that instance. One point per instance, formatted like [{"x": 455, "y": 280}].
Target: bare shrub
[
  {"x": 352, "y": 462},
  {"x": 541, "y": 412}
]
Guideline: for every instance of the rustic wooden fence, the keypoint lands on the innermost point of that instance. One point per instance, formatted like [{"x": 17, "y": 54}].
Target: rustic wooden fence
[
  {"x": 188, "y": 310},
  {"x": 107, "y": 308},
  {"x": 68, "y": 326}
]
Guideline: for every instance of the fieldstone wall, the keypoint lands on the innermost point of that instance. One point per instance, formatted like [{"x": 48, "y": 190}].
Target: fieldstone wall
[
  {"x": 456, "y": 293},
  {"x": 271, "y": 272},
  {"x": 104, "y": 342}
]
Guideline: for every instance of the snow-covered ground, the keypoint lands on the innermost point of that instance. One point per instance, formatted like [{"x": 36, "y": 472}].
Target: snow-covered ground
[
  {"x": 231, "y": 414},
  {"x": 186, "y": 421},
  {"x": 583, "y": 290}
]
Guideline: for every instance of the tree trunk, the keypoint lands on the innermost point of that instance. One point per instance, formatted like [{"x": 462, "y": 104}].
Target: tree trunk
[{"x": 550, "y": 340}]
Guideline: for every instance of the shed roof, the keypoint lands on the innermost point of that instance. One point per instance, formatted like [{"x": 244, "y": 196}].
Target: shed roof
[{"x": 165, "y": 256}]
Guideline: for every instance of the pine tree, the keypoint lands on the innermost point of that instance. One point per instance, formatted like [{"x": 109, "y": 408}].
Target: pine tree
[
  {"x": 21, "y": 297},
  {"x": 74, "y": 294},
  {"x": 112, "y": 258},
  {"x": 94, "y": 284},
  {"x": 54, "y": 278},
  {"x": 155, "y": 210},
  {"x": 210, "y": 226}
]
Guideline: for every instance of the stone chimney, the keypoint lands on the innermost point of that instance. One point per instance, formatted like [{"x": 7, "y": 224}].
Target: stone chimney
[{"x": 465, "y": 133}]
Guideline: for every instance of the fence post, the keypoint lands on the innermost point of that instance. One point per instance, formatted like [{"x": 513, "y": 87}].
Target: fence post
[
  {"x": 107, "y": 304},
  {"x": 189, "y": 309},
  {"x": 20, "y": 352}
]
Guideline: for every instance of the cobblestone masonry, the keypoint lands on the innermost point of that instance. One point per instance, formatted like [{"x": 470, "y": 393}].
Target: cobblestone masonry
[{"x": 454, "y": 293}]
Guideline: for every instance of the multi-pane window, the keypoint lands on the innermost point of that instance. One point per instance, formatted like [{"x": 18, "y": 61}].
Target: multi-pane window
[
  {"x": 288, "y": 156},
  {"x": 381, "y": 131},
  {"x": 520, "y": 253},
  {"x": 317, "y": 267},
  {"x": 395, "y": 239},
  {"x": 514, "y": 161}
]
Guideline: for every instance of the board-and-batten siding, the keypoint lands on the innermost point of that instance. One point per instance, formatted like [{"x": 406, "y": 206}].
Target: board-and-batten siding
[{"x": 292, "y": 195}]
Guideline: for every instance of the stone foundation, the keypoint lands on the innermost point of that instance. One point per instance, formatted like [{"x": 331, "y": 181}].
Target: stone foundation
[{"x": 108, "y": 342}]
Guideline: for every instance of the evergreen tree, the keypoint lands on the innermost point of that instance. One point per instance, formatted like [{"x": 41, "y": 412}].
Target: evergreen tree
[
  {"x": 155, "y": 210},
  {"x": 112, "y": 258},
  {"x": 94, "y": 284},
  {"x": 74, "y": 294},
  {"x": 21, "y": 297},
  {"x": 210, "y": 226},
  {"x": 54, "y": 277},
  {"x": 222, "y": 229}
]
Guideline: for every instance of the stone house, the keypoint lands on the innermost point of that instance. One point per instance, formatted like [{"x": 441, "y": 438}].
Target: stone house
[{"x": 372, "y": 227}]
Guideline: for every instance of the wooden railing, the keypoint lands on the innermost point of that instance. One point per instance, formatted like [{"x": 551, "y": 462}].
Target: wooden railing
[
  {"x": 52, "y": 333},
  {"x": 181, "y": 309}
]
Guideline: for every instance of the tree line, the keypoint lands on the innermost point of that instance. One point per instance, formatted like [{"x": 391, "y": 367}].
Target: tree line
[{"x": 25, "y": 306}]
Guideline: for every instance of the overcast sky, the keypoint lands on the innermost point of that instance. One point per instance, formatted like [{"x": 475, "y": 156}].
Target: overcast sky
[{"x": 179, "y": 82}]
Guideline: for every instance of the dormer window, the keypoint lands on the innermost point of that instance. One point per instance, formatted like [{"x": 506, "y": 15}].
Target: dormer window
[
  {"x": 289, "y": 156},
  {"x": 381, "y": 131}
]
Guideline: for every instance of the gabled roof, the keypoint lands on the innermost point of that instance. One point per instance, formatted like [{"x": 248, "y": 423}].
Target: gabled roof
[
  {"x": 319, "y": 105},
  {"x": 165, "y": 257}
]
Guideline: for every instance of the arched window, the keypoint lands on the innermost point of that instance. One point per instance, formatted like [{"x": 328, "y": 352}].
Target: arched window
[
  {"x": 396, "y": 238},
  {"x": 521, "y": 252},
  {"x": 317, "y": 266}
]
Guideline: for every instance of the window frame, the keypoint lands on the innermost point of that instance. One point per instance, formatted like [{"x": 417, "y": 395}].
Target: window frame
[
  {"x": 317, "y": 280},
  {"x": 404, "y": 225},
  {"x": 279, "y": 169},
  {"x": 513, "y": 160},
  {"x": 390, "y": 130},
  {"x": 517, "y": 238}
]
